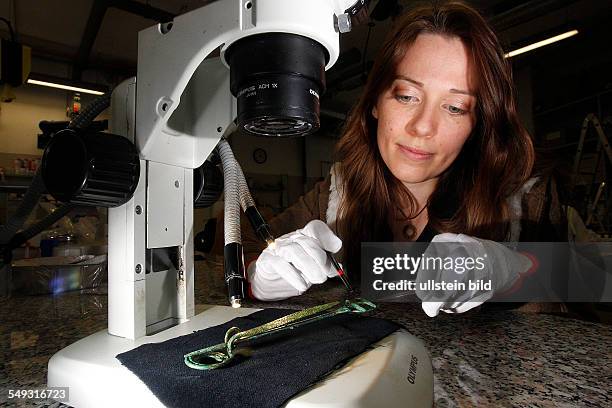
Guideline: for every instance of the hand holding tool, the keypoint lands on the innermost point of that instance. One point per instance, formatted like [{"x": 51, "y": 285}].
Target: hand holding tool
[
  {"x": 294, "y": 262},
  {"x": 489, "y": 262}
]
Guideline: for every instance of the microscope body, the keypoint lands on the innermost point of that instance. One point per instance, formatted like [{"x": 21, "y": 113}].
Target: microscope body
[{"x": 175, "y": 111}]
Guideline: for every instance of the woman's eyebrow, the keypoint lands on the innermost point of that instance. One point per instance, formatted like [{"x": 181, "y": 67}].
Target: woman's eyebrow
[
  {"x": 452, "y": 90},
  {"x": 460, "y": 91},
  {"x": 405, "y": 78}
]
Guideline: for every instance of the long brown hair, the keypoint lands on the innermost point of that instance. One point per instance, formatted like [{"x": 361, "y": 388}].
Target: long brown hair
[{"x": 494, "y": 163}]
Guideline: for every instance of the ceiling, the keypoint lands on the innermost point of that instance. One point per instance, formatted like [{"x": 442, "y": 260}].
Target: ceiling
[{"x": 96, "y": 40}]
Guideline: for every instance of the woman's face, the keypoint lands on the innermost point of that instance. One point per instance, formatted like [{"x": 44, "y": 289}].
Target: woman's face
[{"x": 427, "y": 114}]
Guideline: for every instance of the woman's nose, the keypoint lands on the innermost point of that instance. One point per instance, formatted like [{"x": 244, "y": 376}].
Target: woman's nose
[{"x": 423, "y": 123}]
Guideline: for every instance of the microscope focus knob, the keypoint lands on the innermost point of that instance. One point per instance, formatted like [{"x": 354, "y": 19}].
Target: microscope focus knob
[
  {"x": 207, "y": 185},
  {"x": 92, "y": 169}
]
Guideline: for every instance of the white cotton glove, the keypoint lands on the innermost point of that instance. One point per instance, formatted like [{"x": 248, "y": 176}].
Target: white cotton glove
[
  {"x": 294, "y": 262},
  {"x": 502, "y": 266}
]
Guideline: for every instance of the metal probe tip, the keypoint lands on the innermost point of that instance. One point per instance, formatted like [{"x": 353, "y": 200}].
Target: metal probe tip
[{"x": 341, "y": 274}]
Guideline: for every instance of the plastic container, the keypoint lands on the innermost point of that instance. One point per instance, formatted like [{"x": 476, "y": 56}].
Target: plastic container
[
  {"x": 67, "y": 246},
  {"x": 54, "y": 239},
  {"x": 38, "y": 276}
]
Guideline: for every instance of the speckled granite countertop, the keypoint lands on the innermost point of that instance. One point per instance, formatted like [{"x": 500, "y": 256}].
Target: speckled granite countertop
[{"x": 499, "y": 358}]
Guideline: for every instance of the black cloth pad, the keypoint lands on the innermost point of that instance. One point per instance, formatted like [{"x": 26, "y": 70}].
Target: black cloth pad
[{"x": 280, "y": 366}]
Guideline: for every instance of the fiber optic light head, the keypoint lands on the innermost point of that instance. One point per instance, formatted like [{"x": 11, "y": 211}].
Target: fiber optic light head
[{"x": 277, "y": 79}]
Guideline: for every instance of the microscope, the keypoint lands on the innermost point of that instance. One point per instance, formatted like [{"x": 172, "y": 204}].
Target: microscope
[{"x": 165, "y": 123}]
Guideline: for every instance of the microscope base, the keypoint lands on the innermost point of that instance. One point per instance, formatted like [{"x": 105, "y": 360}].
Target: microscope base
[{"x": 380, "y": 377}]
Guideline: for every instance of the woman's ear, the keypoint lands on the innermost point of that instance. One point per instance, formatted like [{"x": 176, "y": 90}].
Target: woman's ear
[{"x": 375, "y": 112}]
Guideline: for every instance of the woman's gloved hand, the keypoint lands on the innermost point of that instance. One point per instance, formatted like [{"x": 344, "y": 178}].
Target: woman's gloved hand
[
  {"x": 491, "y": 261},
  {"x": 294, "y": 262}
]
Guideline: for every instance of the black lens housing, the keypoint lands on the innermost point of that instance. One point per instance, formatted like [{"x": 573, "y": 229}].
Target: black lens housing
[
  {"x": 90, "y": 168},
  {"x": 277, "y": 79}
]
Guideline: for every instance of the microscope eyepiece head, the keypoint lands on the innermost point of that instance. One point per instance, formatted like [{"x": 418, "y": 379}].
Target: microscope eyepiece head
[{"x": 277, "y": 79}]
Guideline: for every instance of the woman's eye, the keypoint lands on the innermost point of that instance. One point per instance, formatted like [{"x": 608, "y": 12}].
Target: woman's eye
[
  {"x": 455, "y": 110},
  {"x": 406, "y": 98}
]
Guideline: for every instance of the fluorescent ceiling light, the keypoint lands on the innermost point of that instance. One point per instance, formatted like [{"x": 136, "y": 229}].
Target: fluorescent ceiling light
[
  {"x": 541, "y": 43},
  {"x": 66, "y": 87}
]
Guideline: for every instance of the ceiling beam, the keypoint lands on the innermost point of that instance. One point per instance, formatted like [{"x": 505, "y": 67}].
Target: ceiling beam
[
  {"x": 143, "y": 10},
  {"x": 94, "y": 23},
  {"x": 526, "y": 12}
]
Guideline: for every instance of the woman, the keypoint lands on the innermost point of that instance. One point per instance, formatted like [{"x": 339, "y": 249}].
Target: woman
[{"x": 434, "y": 148}]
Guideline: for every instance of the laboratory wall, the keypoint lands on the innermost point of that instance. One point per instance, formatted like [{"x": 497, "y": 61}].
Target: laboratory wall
[{"x": 19, "y": 120}]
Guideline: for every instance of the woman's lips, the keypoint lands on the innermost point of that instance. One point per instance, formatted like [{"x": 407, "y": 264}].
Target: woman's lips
[{"x": 415, "y": 154}]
